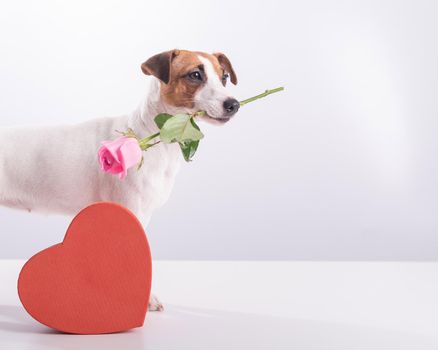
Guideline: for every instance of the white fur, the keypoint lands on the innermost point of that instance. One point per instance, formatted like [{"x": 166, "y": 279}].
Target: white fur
[{"x": 211, "y": 96}]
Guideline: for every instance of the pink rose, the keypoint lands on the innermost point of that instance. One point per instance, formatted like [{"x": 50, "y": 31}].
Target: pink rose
[{"x": 116, "y": 157}]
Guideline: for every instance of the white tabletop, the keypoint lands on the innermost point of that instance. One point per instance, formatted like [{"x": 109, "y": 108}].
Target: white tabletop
[{"x": 259, "y": 305}]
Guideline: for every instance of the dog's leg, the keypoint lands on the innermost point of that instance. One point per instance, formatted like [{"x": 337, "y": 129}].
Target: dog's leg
[{"x": 155, "y": 304}]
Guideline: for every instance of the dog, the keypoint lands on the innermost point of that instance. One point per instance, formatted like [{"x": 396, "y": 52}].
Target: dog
[{"x": 55, "y": 169}]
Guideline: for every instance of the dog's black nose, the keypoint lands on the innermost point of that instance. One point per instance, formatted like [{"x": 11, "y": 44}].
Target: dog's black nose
[{"x": 231, "y": 106}]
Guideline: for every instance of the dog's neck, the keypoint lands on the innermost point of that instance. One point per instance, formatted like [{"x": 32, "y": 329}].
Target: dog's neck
[{"x": 150, "y": 107}]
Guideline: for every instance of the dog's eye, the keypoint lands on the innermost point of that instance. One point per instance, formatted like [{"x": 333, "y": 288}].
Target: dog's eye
[
  {"x": 225, "y": 78},
  {"x": 195, "y": 76}
]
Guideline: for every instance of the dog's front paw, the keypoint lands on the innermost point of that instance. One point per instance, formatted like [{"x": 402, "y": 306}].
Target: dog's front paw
[{"x": 155, "y": 304}]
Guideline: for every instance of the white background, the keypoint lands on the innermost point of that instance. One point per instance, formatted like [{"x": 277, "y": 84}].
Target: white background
[{"x": 342, "y": 165}]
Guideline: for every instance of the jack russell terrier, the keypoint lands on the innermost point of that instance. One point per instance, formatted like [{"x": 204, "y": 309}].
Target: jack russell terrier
[{"x": 55, "y": 169}]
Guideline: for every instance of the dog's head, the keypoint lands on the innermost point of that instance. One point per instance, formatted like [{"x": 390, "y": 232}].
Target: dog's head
[{"x": 195, "y": 81}]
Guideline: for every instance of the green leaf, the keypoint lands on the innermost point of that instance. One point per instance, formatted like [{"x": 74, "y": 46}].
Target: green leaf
[
  {"x": 188, "y": 149},
  {"x": 194, "y": 124},
  {"x": 179, "y": 128},
  {"x": 161, "y": 118}
]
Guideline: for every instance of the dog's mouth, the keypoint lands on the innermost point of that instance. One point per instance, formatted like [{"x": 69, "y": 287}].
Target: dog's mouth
[{"x": 221, "y": 120}]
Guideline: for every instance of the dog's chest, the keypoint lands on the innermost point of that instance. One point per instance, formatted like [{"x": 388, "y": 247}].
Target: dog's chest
[{"x": 157, "y": 175}]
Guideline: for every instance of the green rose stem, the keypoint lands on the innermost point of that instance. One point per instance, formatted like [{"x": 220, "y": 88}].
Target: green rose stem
[
  {"x": 264, "y": 94},
  {"x": 144, "y": 145}
]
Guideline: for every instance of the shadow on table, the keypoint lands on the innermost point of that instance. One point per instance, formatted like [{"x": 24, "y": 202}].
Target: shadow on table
[
  {"x": 189, "y": 328},
  {"x": 15, "y": 319},
  {"x": 19, "y": 328}
]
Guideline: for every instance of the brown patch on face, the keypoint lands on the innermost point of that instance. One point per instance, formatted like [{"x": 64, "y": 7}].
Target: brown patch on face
[{"x": 180, "y": 92}]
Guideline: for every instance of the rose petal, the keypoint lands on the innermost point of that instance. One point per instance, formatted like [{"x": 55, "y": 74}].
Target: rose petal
[
  {"x": 131, "y": 153},
  {"x": 113, "y": 146},
  {"x": 117, "y": 156}
]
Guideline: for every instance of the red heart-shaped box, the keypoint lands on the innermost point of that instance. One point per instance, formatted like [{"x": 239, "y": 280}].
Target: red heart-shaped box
[{"x": 98, "y": 280}]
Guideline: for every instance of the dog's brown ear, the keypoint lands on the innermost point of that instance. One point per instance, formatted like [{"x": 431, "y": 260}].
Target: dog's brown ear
[
  {"x": 159, "y": 65},
  {"x": 226, "y": 65}
]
